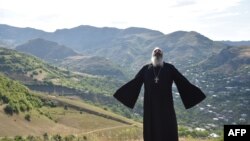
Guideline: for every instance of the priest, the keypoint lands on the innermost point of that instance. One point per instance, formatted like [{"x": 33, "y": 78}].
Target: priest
[{"x": 159, "y": 118}]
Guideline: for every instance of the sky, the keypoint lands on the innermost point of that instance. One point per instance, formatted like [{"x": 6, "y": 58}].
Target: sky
[{"x": 216, "y": 19}]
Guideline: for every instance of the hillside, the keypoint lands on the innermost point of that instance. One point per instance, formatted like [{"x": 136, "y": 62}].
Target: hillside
[
  {"x": 25, "y": 67},
  {"x": 46, "y": 50},
  {"x": 232, "y": 60},
  {"x": 36, "y": 114},
  {"x": 31, "y": 70},
  {"x": 224, "y": 77},
  {"x": 15, "y": 97},
  {"x": 40, "y": 76},
  {"x": 94, "y": 65},
  {"x": 66, "y": 58}
]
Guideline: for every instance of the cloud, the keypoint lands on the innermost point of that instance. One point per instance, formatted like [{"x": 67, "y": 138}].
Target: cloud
[
  {"x": 180, "y": 3},
  {"x": 222, "y": 15},
  {"x": 164, "y": 15}
]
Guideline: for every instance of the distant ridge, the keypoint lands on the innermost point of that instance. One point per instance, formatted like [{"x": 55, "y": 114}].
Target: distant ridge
[{"x": 46, "y": 50}]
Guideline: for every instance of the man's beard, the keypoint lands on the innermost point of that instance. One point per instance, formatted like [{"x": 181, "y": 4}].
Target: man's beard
[{"x": 157, "y": 61}]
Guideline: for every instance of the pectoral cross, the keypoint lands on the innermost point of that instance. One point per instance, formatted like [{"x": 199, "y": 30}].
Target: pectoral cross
[{"x": 156, "y": 79}]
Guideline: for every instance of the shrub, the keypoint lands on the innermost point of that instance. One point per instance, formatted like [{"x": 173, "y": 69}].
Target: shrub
[
  {"x": 31, "y": 138},
  {"x": 9, "y": 110},
  {"x": 4, "y": 98},
  {"x": 57, "y": 138},
  {"x": 69, "y": 138},
  {"x": 65, "y": 107},
  {"x": 34, "y": 73},
  {"x": 19, "y": 138},
  {"x": 27, "y": 117},
  {"x": 45, "y": 137},
  {"x": 7, "y": 139}
]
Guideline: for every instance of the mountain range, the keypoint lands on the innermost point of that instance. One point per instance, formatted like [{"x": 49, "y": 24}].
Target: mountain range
[
  {"x": 236, "y": 43},
  {"x": 130, "y": 47}
]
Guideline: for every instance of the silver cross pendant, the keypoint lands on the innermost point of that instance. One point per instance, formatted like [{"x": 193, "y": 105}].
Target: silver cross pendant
[{"x": 156, "y": 79}]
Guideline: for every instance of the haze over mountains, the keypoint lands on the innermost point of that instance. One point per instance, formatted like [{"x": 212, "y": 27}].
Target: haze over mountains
[{"x": 220, "y": 68}]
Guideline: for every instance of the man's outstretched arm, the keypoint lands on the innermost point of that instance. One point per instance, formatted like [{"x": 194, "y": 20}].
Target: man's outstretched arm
[{"x": 190, "y": 94}]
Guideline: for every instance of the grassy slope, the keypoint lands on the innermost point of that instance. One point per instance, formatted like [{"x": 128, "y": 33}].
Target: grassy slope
[
  {"x": 70, "y": 121},
  {"x": 80, "y": 105},
  {"x": 32, "y": 71},
  {"x": 78, "y": 118},
  {"x": 29, "y": 69},
  {"x": 63, "y": 122}
]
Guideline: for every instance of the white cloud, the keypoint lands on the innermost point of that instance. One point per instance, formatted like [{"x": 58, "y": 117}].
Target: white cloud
[{"x": 164, "y": 15}]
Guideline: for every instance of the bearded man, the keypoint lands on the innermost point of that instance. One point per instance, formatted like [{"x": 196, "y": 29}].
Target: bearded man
[{"x": 159, "y": 118}]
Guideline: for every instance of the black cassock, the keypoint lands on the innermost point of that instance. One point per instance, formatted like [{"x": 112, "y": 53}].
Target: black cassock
[{"x": 159, "y": 118}]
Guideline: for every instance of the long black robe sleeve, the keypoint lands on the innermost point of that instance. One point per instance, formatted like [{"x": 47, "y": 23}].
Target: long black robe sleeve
[
  {"x": 189, "y": 93},
  {"x": 129, "y": 92}
]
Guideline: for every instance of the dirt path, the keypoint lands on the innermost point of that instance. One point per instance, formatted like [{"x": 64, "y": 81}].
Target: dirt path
[{"x": 107, "y": 128}]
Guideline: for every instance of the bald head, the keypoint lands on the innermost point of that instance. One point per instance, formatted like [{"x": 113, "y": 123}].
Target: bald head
[{"x": 157, "y": 57}]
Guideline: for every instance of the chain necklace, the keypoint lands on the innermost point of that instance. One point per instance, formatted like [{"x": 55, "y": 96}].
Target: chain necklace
[{"x": 156, "y": 76}]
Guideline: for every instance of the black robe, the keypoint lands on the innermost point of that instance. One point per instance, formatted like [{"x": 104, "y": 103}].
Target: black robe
[{"x": 159, "y": 118}]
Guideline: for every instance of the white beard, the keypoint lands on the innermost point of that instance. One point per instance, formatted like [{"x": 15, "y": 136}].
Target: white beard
[{"x": 157, "y": 61}]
